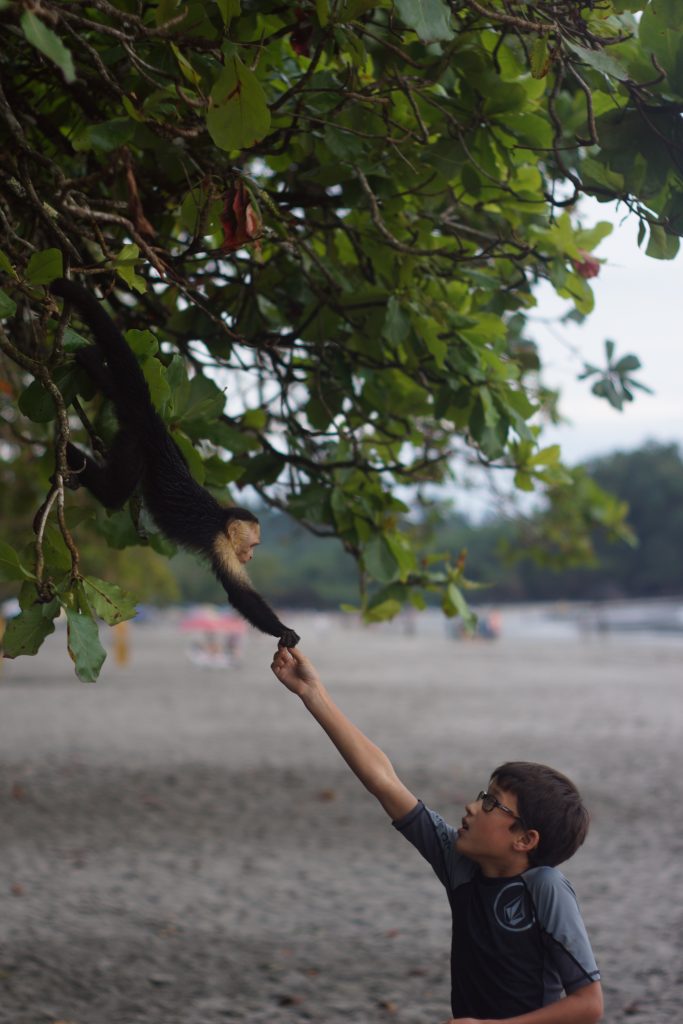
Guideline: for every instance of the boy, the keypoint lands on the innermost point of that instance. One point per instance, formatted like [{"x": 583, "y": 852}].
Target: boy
[{"x": 518, "y": 939}]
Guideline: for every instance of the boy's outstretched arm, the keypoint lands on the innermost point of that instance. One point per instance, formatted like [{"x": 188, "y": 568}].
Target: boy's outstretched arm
[{"x": 364, "y": 758}]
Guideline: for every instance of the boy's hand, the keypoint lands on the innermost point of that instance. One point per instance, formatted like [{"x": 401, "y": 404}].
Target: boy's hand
[{"x": 295, "y": 671}]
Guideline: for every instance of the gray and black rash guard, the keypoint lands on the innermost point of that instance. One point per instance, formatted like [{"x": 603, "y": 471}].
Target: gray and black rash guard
[{"x": 518, "y": 942}]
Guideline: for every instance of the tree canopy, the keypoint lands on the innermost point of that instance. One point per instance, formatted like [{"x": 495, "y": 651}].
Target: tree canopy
[{"x": 338, "y": 210}]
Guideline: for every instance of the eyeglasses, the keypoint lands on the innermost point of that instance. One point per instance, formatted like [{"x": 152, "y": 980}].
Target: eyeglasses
[{"x": 489, "y": 802}]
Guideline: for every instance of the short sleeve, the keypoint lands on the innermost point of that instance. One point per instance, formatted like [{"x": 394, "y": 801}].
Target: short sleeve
[
  {"x": 435, "y": 840},
  {"x": 564, "y": 931}
]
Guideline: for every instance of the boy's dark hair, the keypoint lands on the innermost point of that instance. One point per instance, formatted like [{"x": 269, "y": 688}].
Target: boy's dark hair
[{"x": 550, "y": 803}]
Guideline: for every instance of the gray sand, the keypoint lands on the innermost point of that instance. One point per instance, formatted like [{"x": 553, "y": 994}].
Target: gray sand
[{"x": 184, "y": 846}]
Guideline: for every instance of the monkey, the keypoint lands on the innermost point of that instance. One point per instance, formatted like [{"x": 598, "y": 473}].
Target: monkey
[{"x": 144, "y": 453}]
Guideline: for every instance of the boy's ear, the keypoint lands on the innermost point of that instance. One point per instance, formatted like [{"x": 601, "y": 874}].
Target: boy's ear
[{"x": 527, "y": 841}]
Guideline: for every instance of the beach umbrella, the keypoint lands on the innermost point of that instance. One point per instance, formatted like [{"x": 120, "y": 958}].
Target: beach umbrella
[{"x": 205, "y": 622}]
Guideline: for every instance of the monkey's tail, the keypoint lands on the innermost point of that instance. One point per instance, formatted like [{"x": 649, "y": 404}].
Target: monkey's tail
[{"x": 132, "y": 392}]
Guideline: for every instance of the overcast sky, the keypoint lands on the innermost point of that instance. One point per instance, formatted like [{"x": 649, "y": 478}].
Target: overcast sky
[{"x": 638, "y": 303}]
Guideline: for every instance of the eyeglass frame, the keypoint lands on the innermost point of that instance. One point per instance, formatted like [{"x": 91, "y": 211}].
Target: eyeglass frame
[{"x": 494, "y": 802}]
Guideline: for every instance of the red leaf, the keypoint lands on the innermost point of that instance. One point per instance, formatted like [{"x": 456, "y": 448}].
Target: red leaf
[{"x": 241, "y": 222}]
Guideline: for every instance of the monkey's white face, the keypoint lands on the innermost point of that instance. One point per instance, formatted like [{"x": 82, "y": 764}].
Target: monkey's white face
[
  {"x": 244, "y": 537},
  {"x": 252, "y": 538}
]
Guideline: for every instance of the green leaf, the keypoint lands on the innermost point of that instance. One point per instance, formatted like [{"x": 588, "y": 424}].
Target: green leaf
[
  {"x": 125, "y": 264},
  {"x": 7, "y": 306},
  {"x": 431, "y": 19},
  {"x": 105, "y": 136},
  {"x": 626, "y": 364},
  {"x": 37, "y": 403},
  {"x": 239, "y": 116},
  {"x": 192, "y": 456},
  {"x": 25, "y": 632},
  {"x": 73, "y": 341},
  {"x": 523, "y": 481},
  {"x": 540, "y": 57},
  {"x": 599, "y": 60},
  {"x": 662, "y": 245},
  {"x": 202, "y": 400},
  {"x": 403, "y": 553},
  {"x": 132, "y": 110},
  {"x": 256, "y": 419},
  {"x": 45, "y": 40},
  {"x": 142, "y": 343},
  {"x": 379, "y": 559},
  {"x": 455, "y": 604},
  {"x": 57, "y": 554},
  {"x": 396, "y": 324},
  {"x": 165, "y": 10},
  {"x": 118, "y": 530},
  {"x": 660, "y": 32},
  {"x": 6, "y": 264},
  {"x": 83, "y": 643},
  {"x": 229, "y": 9},
  {"x": 154, "y": 373},
  {"x": 108, "y": 601},
  {"x": 383, "y": 611},
  {"x": 11, "y": 567},
  {"x": 45, "y": 266},
  {"x": 262, "y": 469},
  {"x": 186, "y": 68}
]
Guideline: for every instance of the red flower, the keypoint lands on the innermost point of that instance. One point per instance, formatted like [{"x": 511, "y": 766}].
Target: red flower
[
  {"x": 587, "y": 266},
  {"x": 300, "y": 38}
]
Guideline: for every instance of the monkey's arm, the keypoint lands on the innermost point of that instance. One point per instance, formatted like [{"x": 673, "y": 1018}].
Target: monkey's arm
[
  {"x": 255, "y": 610},
  {"x": 114, "y": 482}
]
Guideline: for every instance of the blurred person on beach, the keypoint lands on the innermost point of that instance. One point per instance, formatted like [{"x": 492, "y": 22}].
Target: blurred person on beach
[{"x": 519, "y": 948}]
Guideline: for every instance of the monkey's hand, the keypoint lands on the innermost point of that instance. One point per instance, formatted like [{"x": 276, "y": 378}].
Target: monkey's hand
[{"x": 288, "y": 639}]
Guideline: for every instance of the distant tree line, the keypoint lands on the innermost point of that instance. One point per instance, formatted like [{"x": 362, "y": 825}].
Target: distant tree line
[{"x": 298, "y": 569}]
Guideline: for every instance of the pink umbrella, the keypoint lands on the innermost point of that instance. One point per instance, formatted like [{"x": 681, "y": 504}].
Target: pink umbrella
[{"x": 204, "y": 622}]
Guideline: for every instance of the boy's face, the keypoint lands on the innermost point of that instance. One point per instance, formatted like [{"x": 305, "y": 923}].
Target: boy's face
[{"x": 493, "y": 839}]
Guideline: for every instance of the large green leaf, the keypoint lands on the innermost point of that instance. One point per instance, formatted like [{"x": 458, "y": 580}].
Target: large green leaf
[
  {"x": 238, "y": 116},
  {"x": 83, "y": 643},
  {"x": 380, "y": 560},
  {"x": 431, "y": 19},
  {"x": 660, "y": 31},
  {"x": 108, "y": 601},
  {"x": 26, "y": 632},
  {"x": 37, "y": 403},
  {"x": 662, "y": 245},
  {"x": 49, "y": 43},
  {"x": 45, "y": 266},
  {"x": 11, "y": 567},
  {"x": 599, "y": 60}
]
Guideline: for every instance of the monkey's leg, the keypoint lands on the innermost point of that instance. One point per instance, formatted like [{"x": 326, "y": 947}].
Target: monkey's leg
[{"x": 114, "y": 482}]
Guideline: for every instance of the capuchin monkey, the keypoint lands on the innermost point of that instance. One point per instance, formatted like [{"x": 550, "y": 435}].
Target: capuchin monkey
[{"x": 143, "y": 452}]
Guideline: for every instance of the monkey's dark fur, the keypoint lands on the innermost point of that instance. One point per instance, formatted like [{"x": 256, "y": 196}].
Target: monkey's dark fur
[{"x": 143, "y": 452}]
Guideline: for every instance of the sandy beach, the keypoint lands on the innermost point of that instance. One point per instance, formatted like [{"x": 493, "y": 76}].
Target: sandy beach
[{"x": 184, "y": 846}]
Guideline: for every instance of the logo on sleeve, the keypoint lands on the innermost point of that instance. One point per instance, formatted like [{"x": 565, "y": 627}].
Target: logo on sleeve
[{"x": 512, "y": 909}]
